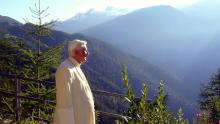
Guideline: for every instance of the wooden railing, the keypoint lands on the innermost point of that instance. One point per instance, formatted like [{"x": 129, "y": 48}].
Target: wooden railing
[{"x": 18, "y": 97}]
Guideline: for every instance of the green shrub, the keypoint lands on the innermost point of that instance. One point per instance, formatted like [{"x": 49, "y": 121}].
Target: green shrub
[{"x": 143, "y": 111}]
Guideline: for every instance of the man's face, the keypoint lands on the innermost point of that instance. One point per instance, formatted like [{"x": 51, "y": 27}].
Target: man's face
[{"x": 81, "y": 53}]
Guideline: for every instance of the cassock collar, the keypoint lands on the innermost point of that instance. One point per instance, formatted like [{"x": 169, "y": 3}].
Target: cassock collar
[{"x": 73, "y": 61}]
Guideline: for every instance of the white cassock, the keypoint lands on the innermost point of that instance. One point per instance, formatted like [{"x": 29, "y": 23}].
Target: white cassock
[{"x": 75, "y": 104}]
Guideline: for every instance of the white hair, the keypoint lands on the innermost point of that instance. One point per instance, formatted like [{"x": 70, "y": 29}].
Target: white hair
[{"x": 72, "y": 45}]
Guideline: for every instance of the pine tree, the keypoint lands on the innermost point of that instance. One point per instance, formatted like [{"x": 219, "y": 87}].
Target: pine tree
[
  {"x": 46, "y": 59},
  {"x": 18, "y": 58},
  {"x": 209, "y": 98}
]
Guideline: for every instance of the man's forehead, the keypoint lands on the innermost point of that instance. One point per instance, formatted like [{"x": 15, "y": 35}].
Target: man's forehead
[{"x": 82, "y": 46}]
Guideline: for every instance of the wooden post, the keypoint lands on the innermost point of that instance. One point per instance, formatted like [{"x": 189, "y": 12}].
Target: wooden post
[{"x": 18, "y": 99}]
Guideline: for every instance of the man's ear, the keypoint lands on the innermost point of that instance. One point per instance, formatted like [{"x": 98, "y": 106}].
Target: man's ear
[{"x": 73, "y": 53}]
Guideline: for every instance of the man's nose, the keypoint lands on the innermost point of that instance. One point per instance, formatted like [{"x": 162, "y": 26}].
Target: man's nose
[{"x": 86, "y": 53}]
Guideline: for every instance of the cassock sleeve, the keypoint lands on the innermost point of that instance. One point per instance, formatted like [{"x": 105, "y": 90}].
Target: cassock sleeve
[{"x": 64, "y": 106}]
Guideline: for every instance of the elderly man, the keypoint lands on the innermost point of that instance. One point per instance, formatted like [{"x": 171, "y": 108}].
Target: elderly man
[{"x": 75, "y": 103}]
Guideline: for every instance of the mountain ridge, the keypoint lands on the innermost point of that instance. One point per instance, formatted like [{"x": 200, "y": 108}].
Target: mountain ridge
[
  {"x": 11, "y": 21},
  {"x": 90, "y": 18}
]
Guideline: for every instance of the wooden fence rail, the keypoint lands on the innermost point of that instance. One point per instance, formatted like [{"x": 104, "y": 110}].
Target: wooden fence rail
[{"x": 18, "y": 97}]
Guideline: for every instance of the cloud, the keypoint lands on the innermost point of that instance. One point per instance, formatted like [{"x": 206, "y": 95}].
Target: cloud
[{"x": 128, "y": 5}]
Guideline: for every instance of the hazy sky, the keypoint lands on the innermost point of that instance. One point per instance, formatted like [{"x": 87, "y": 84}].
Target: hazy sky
[{"x": 64, "y": 9}]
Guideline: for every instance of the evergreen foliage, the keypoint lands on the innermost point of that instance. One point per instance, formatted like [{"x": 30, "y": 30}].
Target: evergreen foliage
[
  {"x": 209, "y": 99},
  {"x": 143, "y": 111},
  {"x": 17, "y": 58}
]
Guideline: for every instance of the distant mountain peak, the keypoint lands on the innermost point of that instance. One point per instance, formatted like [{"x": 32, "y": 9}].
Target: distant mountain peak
[
  {"x": 10, "y": 21},
  {"x": 92, "y": 17},
  {"x": 108, "y": 11},
  {"x": 164, "y": 12},
  {"x": 160, "y": 9},
  {"x": 115, "y": 11},
  {"x": 163, "y": 7}
]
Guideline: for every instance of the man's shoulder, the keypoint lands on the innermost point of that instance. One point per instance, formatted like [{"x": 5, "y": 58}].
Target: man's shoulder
[
  {"x": 66, "y": 64},
  {"x": 65, "y": 67}
]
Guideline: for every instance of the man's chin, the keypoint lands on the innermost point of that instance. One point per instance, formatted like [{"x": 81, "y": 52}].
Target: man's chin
[{"x": 84, "y": 60}]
